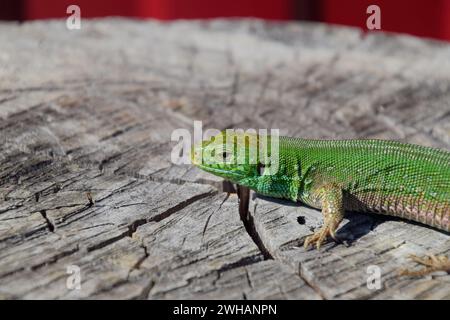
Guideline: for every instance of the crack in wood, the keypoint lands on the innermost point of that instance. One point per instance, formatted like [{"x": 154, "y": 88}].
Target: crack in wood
[
  {"x": 248, "y": 221},
  {"x": 50, "y": 225},
  {"x": 146, "y": 291},
  {"x": 209, "y": 217},
  {"x": 245, "y": 261},
  {"x": 157, "y": 218},
  {"x": 56, "y": 258},
  {"x": 301, "y": 274}
]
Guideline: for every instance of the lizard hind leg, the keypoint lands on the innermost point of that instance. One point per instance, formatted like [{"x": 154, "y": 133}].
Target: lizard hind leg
[
  {"x": 431, "y": 264},
  {"x": 331, "y": 199}
]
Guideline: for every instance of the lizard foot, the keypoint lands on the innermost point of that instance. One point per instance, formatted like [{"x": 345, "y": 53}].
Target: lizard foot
[
  {"x": 431, "y": 262},
  {"x": 318, "y": 237},
  {"x": 333, "y": 212}
]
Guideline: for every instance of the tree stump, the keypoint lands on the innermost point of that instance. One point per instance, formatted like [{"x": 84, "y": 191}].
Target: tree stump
[{"x": 86, "y": 179}]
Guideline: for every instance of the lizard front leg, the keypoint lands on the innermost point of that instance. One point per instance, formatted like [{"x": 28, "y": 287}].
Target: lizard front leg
[{"x": 331, "y": 200}]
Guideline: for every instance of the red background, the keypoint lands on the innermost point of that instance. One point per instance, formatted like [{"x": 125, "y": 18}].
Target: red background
[{"x": 428, "y": 18}]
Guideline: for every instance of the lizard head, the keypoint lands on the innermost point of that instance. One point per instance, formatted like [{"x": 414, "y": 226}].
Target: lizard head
[{"x": 235, "y": 156}]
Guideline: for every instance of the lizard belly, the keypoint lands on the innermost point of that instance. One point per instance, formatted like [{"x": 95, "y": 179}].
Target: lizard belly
[{"x": 432, "y": 213}]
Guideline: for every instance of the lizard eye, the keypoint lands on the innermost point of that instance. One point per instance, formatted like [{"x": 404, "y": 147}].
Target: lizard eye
[
  {"x": 260, "y": 168},
  {"x": 225, "y": 155}
]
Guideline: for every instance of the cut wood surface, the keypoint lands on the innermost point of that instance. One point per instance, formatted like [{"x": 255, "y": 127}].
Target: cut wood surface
[{"x": 86, "y": 177}]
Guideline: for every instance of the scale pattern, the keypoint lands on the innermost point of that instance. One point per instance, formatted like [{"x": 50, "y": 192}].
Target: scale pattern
[{"x": 386, "y": 177}]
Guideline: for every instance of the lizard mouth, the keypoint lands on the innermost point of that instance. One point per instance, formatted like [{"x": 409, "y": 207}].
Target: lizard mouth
[{"x": 221, "y": 172}]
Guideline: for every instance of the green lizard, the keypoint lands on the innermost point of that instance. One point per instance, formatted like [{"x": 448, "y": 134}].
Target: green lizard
[{"x": 385, "y": 177}]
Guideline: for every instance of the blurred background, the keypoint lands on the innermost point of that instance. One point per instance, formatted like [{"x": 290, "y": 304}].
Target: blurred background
[{"x": 422, "y": 18}]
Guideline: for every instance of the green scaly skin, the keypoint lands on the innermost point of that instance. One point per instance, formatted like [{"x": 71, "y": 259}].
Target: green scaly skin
[{"x": 385, "y": 177}]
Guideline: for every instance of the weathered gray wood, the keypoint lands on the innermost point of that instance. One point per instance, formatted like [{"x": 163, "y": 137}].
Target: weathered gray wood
[{"x": 92, "y": 111}]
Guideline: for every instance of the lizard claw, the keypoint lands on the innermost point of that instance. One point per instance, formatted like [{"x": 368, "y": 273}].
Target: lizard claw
[
  {"x": 319, "y": 236},
  {"x": 431, "y": 263}
]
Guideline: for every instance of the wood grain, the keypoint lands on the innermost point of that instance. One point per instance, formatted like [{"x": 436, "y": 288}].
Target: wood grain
[{"x": 86, "y": 178}]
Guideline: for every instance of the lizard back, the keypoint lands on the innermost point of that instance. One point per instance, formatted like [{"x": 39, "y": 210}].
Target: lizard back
[{"x": 386, "y": 177}]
